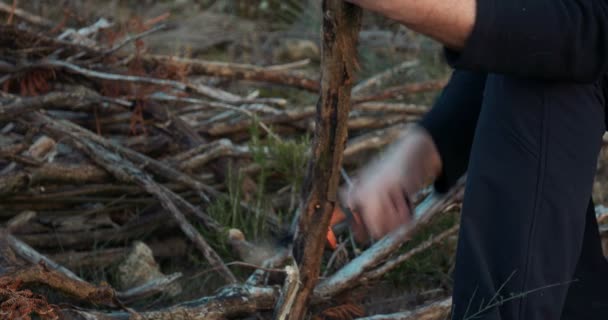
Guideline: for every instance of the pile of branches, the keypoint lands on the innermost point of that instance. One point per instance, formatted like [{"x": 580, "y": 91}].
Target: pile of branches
[{"x": 103, "y": 142}]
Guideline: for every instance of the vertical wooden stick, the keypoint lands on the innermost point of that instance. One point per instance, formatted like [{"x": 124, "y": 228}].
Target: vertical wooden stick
[{"x": 341, "y": 24}]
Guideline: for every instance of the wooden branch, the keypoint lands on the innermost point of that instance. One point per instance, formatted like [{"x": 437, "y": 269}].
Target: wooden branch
[
  {"x": 15, "y": 36},
  {"x": 217, "y": 149},
  {"x": 147, "y": 289},
  {"x": 26, "y": 16},
  {"x": 289, "y": 65},
  {"x": 21, "y": 106},
  {"x": 40, "y": 274},
  {"x": 384, "y": 107},
  {"x": 400, "y": 112},
  {"x": 350, "y": 275},
  {"x": 372, "y": 141},
  {"x": 12, "y": 182},
  {"x": 228, "y": 127},
  {"x": 154, "y": 222},
  {"x": 394, "y": 262},
  {"x": 79, "y": 289},
  {"x": 230, "y": 302},
  {"x": 18, "y": 221},
  {"x": 289, "y": 293},
  {"x": 101, "y": 258},
  {"x": 32, "y": 256},
  {"x": 399, "y": 92},
  {"x": 438, "y": 310},
  {"x": 244, "y": 111},
  {"x": 197, "y": 88},
  {"x": 376, "y": 81},
  {"x": 341, "y": 23},
  {"x": 133, "y": 38},
  {"x": 265, "y": 103},
  {"x": 369, "y": 122},
  {"x": 258, "y": 277},
  {"x": 236, "y": 71},
  {"x": 68, "y": 173}
]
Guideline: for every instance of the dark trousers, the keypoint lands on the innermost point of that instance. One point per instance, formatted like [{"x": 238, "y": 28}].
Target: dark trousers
[{"x": 529, "y": 247}]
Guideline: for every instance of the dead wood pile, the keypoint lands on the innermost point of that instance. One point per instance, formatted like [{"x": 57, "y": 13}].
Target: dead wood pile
[{"x": 102, "y": 142}]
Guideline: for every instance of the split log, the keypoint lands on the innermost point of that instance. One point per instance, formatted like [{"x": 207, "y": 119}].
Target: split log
[{"x": 341, "y": 23}]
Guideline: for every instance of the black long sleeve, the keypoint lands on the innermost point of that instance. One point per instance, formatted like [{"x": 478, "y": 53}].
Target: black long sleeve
[
  {"x": 451, "y": 123},
  {"x": 562, "y": 40}
]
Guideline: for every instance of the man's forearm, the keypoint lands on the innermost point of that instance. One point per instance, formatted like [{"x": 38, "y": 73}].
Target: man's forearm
[
  {"x": 448, "y": 21},
  {"x": 563, "y": 40}
]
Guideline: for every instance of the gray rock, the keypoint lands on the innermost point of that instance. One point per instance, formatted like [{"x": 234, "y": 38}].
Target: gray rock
[{"x": 139, "y": 267}]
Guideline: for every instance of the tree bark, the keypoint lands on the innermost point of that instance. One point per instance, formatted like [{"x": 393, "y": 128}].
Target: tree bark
[{"x": 341, "y": 24}]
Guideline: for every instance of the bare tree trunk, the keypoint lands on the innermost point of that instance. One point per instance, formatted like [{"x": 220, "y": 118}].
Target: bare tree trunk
[{"x": 341, "y": 23}]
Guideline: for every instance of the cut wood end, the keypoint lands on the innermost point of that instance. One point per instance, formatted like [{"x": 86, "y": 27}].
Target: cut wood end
[{"x": 236, "y": 235}]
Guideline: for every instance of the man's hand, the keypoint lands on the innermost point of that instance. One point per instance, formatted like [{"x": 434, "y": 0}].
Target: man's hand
[
  {"x": 381, "y": 193},
  {"x": 447, "y": 21}
]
